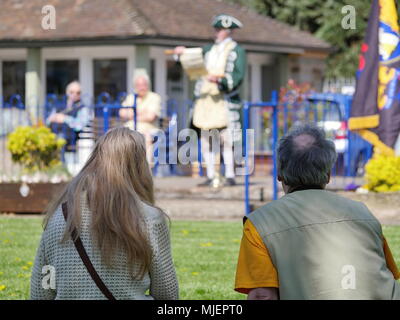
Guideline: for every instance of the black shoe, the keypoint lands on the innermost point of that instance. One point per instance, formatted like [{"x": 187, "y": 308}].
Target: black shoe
[
  {"x": 230, "y": 182},
  {"x": 206, "y": 183}
]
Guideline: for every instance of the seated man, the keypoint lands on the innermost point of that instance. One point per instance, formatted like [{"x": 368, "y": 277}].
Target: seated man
[
  {"x": 313, "y": 243},
  {"x": 68, "y": 122},
  {"x": 148, "y": 111}
]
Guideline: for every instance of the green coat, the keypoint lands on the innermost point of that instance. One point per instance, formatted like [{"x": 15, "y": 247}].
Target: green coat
[
  {"x": 235, "y": 68},
  {"x": 229, "y": 85}
]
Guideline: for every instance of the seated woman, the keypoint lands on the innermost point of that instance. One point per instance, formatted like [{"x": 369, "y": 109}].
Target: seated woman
[
  {"x": 148, "y": 111},
  {"x": 110, "y": 206}
]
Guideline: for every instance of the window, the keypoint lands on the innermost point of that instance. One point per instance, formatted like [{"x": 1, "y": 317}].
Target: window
[
  {"x": 59, "y": 73},
  {"x": 270, "y": 80},
  {"x": 317, "y": 76},
  {"x": 109, "y": 76},
  {"x": 13, "y": 79},
  {"x": 175, "y": 84}
]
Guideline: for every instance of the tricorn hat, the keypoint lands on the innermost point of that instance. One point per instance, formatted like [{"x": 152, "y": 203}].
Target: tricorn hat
[{"x": 226, "y": 21}]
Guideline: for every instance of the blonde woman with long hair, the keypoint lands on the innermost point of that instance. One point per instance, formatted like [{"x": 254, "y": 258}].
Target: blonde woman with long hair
[{"x": 108, "y": 207}]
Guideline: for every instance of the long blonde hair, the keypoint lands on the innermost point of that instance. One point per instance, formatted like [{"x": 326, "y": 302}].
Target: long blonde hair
[{"x": 115, "y": 179}]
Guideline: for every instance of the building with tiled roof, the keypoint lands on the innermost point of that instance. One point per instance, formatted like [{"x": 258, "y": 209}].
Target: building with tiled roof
[{"x": 101, "y": 42}]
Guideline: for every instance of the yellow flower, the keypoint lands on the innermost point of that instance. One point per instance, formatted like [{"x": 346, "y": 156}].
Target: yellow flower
[
  {"x": 2, "y": 287},
  {"x": 29, "y": 263},
  {"x": 6, "y": 241},
  {"x": 236, "y": 240},
  {"x": 207, "y": 244},
  {"x": 1, "y": 273},
  {"x": 185, "y": 232},
  {"x": 20, "y": 275},
  {"x": 383, "y": 174},
  {"x": 18, "y": 259},
  {"x": 195, "y": 273},
  {"x": 25, "y": 268}
]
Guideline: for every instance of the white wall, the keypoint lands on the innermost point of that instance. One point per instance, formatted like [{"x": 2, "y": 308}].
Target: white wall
[
  {"x": 160, "y": 79},
  {"x": 256, "y": 61},
  {"x": 305, "y": 65},
  {"x": 86, "y": 54}
]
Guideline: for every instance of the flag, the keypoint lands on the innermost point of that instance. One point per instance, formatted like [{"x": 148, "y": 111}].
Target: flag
[{"x": 375, "y": 112}]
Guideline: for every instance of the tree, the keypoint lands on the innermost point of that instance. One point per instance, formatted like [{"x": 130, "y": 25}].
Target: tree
[{"x": 323, "y": 18}]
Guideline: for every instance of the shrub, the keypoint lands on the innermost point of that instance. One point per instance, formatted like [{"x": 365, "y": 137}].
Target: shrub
[
  {"x": 35, "y": 148},
  {"x": 383, "y": 174}
]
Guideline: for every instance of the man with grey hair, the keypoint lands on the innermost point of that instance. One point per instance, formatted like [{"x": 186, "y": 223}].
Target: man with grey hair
[
  {"x": 68, "y": 123},
  {"x": 312, "y": 243},
  {"x": 72, "y": 118}
]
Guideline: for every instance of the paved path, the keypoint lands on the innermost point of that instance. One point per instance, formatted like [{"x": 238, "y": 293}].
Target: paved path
[{"x": 181, "y": 198}]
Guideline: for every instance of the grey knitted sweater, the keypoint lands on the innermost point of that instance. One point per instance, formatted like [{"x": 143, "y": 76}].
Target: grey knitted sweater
[{"x": 72, "y": 280}]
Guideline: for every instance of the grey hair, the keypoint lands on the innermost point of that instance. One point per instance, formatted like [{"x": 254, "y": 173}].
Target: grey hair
[
  {"x": 141, "y": 75},
  {"x": 308, "y": 164},
  {"x": 73, "y": 83}
]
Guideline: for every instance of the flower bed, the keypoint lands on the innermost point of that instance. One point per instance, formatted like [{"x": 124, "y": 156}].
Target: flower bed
[{"x": 35, "y": 152}]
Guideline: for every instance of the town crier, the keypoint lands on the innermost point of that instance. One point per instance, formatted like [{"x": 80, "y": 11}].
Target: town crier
[{"x": 217, "y": 102}]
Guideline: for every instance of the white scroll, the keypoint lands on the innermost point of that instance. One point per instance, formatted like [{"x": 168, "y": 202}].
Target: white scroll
[{"x": 193, "y": 63}]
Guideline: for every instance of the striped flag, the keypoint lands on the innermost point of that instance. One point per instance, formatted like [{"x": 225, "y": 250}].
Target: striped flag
[{"x": 375, "y": 113}]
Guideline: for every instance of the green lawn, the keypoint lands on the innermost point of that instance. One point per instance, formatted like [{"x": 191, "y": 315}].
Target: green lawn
[{"x": 205, "y": 255}]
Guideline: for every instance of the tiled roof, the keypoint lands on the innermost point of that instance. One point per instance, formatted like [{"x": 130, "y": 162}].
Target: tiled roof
[{"x": 21, "y": 21}]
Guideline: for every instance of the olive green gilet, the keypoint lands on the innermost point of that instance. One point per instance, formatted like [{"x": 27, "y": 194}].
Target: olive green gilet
[{"x": 313, "y": 236}]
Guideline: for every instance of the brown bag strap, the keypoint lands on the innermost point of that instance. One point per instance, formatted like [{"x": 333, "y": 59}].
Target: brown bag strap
[{"x": 85, "y": 259}]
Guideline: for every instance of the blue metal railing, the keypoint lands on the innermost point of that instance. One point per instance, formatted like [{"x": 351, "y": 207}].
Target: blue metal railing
[
  {"x": 12, "y": 114},
  {"x": 317, "y": 108},
  {"x": 105, "y": 110},
  {"x": 246, "y": 125}
]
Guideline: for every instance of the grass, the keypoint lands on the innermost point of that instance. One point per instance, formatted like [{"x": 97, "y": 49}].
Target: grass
[
  {"x": 205, "y": 256},
  {"x": 19, "y": 239}
]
